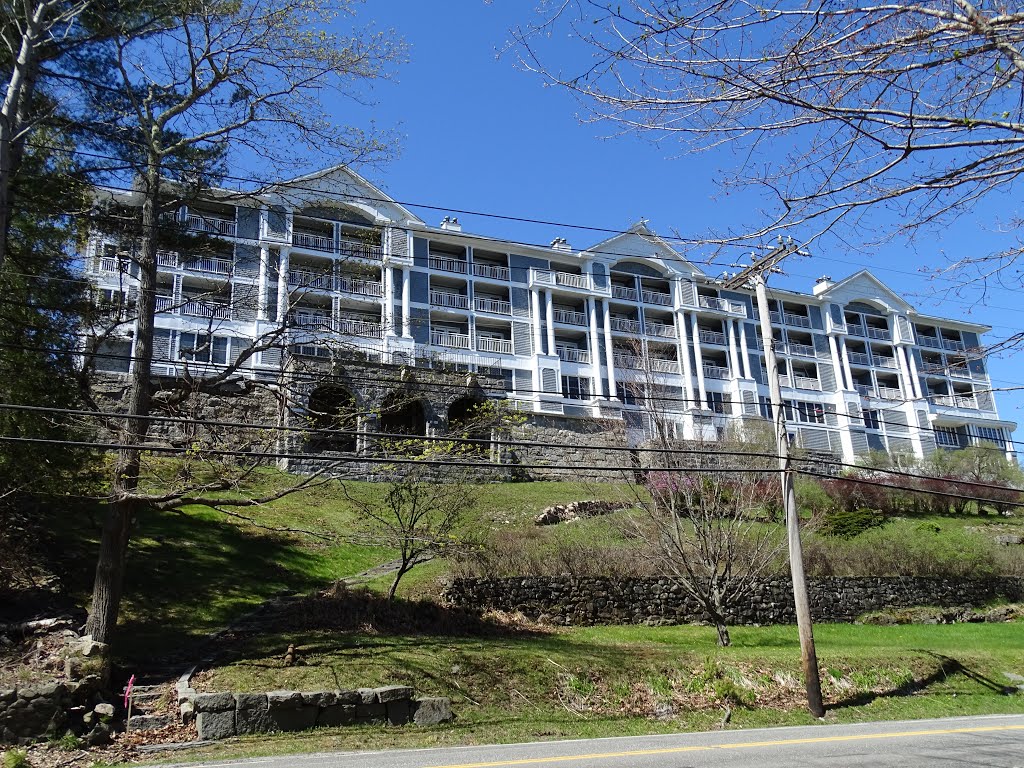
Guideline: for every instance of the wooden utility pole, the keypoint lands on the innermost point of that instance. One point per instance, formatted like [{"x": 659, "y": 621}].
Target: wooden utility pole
[{"x": 757, "y": 273}]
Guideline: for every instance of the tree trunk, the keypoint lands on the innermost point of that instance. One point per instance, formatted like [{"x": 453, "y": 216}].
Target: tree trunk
[
  {"x": 723, "y": 633},
  {"x": 122, "y": 508},
  {"x": 18, "y": 89},
  {"x": 402, "y": 570}
]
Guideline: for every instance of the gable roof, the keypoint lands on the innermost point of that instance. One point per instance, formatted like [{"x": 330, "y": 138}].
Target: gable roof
[
  {"x": 343, "y": 185},
  {"x": 640, "y": 242},
  {"x": 864, "y": 286}
]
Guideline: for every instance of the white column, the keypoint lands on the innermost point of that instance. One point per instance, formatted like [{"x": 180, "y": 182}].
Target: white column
[
  {"x": 538, "y": 341},
  {"x": 406, "y": 304},
  {"x": 734, "y": 360},
  {"x": 906, "y": 383},
  {"x": 846, "y": 363},
  {"x": 684, "y": 357},
  {"x": 702, "y": 395},
  {"x": 608, "y": 353},
  {"x": 550, "y": 309},
  {"x": 833, "y": 348},
  {"x": 282, "y": 284},
  {"x": 744, "y": 350},
  {"x": 261, "y": 301},
  {"x": 914, "y": 373},
  {"x": 595, "y": 358},
  {"x": 388, "y": 279}
]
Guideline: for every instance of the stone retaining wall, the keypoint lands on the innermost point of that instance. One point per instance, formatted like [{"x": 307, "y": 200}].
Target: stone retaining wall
[
  {"x": 586, "y": 601},
  {"x": 33, "y": 713},
  {"x": 223, "y": 715}
]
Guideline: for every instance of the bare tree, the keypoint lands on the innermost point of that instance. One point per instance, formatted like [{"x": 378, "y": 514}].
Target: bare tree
[
  {"x": 223, "y": 79},
  {"x": 836, "y": 109}
]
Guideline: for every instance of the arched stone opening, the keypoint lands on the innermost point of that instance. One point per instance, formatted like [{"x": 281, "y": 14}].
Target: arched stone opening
[
  {"x": 403, "y": 414},
  {"x": 332, "y": 408},
  {"x": 467, "y": 419}
]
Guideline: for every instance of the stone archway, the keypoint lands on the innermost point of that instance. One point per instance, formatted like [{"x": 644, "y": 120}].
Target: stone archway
[
  {"x": 331, "y": 407},
  {"x": 465, "y": 420},
  {"x": 403, "y": 414}
]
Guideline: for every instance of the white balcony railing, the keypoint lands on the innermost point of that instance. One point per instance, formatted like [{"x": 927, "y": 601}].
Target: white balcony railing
[
  {"x": 359, "y": 287},
  {"x": 572, "y": 354},
  {"x": 623, "y": 292},
  {"x": 113, "y": 265},
  {"x": 449, "y": 300},
  {"x": 629, "y": 362},
  {"x": 955, "y": 401},
  {"x": 449, "y": 339},
  {"x": 198, "y": 308},
  {"x": 490, "y": 344},
  {"x": 712, "y": 337},
  {"x": 929, "y": 341},
  {"x": 494, "y": 306},
  {"x": 960, "y": 372},
  {"x": 722, "y": 305},
  {"x": 210, "y": 224},
  {"x": 625, "y": 325},
  {"x": 804, "y": 350},
  {"x": 448, "y": 264},
  {"x": 663, "y": 364},
  {"x": 365, "y": 328},
  {"x": 357, "y": 249},
  {"x": 933, "y": 367},
  {"x": 952, "y": 344},
  {"x": 164, "y": 303},
  {"x": 890, "y": 393},
  {"x": 315, "y": 281},
  {"x": 882, "y": 334},
  {"x": 569, "y": 317},
  {"x": 716, "y": 372},
  {"x": 656, "y": 297},
  {"x": 661, "y": 330},
  {"x": 492, "y": 271},
  {"x": 859, "y": 358},
  {"x": 569, "y": 280},
  {"x": 806, "y": 382},
  {"x": 853, "y": 329},
  {"x": 865, "y": 390},
  {"x": 313, "y": 241},
  {"x": 797, "y": 321},
  {"x": 167, "y": 259},
  {"x": 883, "y": 361}
]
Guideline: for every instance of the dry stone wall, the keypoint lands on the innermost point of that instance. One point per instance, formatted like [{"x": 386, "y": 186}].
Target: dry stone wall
[{"x": 587, "y": 601}]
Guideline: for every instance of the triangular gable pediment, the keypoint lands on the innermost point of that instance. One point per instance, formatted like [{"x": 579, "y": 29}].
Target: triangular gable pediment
[
  {"x": 341, "y": 186},
  {"x": 641, "y": 244},
  {"x": 865, "y": 287}
]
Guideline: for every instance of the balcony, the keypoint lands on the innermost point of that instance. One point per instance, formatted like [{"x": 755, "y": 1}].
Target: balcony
[
  {"x": 859, "y": 358},
  {"x": 660, "y": 330},
  {"x": 198, "y": 308},
  {"x": 712, "y": 337},
  {"x": 165, "y": 304},
  {"x": 797, "y": 321},
  {"x": 112, "y": 264},
  {"x": 167, "y": 259},
  {"x": 865, "y": 390},
  {"x": 883, "y": 361},
  {"x": 716, "y": 372},
  {"x": 450, "y": 340},
  {"x": 551, "y": 279},
  {"x": 568, "y": 317},
  {"x": 492, "y": 271},
  {"x": 573, "y": 355},
  {"x": 210, "y": 224},
  {"x": 882, "y": 334},
  {"x": 625, "y": 325},
  {"x": 656, "y": 297},
  {"x": 721, "y": 305},
  {"x": 890, "y": 393},
  {"x": 929, "y": 341},
  {"x": 953, "y": 345},
  {"x": 354, "y": 249},
  {"x": 955, "y": 401},
  {"x": 315, "y": 281},
  {"x": 359, "y": 287},
  {"x": 494, "y": 306},
  {"x": 313, "y": 241},
  {"x": 623, "y": 292},
  {"x": 628, "y": 362},
  {"x": 800, "y": 382},
  {"x": 663, "y": 364},
  {"x": 449, "y": 300},
  {"x": 448, "y": 264},
  {"x": 803, "y": 350},
  {"x": 960, "y": 372},
  {"x": 490, "y": 344}
]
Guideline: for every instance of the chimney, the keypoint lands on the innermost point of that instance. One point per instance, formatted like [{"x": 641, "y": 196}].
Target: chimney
[
  {"x": 561, "y": 244},
  {"x": 822, "y": 284},
  {"x": 450, "y": 224}
]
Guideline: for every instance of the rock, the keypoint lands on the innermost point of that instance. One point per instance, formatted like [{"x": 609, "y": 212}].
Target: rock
[
  {"x": 393, "y": 693},
  {"x": 367, "y": 695},
  {"x": 399, "y": 712},
  {"x": 104, "y": 710},
  {"x": 214, "y": 702},
  {"x": 89, "y": 647},
  {"x": 187, "y": 712},
  {"x": 215, "y": 725},
  {"x": 433, "y": 711},
  {"x": 8, "y": 694},
  {"x": 294, "y": 719},
  {"x": 371, "y": 713},
  {"x": 319, "y": 698},
  {"x": 347, "y": 697},
  {"x": 98, "y": 736},
  {"x": 1009, "y": 539},
  {"x": 336, "y": 714},
  {"x": 252, "y": 714},
  {"x": 148, "y": 722}
]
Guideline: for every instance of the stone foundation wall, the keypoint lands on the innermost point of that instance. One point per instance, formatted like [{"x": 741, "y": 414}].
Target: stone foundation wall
[
  {"x": 223, "y": 715},
  {"x": 589, "y": 601},
  {"x": 38, "y": 712}
]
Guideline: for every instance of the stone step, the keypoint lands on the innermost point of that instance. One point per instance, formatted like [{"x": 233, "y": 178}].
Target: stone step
[{"x": 148, "y": 722}]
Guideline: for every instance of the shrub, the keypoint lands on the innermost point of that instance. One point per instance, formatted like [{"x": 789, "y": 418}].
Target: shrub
[
  {"x": 16, "y": 758},
  {"x": 845, "y": 524}
]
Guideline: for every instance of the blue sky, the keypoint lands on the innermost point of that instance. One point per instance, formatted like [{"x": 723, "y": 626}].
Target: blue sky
[{"x": 479, "y": 134}]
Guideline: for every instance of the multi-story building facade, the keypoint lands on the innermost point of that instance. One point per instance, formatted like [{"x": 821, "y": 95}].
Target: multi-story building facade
[{"x": 622, "y": 330}]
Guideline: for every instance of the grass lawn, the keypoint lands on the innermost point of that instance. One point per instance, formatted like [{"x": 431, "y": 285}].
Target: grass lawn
[{"x": 625, "y": 680}]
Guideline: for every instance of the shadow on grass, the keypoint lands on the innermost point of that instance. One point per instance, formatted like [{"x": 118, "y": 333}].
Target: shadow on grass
[{"x": 947, "y": 667}]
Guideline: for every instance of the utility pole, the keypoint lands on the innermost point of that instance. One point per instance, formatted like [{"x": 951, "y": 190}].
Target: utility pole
[{"x": 757, "y": 273}]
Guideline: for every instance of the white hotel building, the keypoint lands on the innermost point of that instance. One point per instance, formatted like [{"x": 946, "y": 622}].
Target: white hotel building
[{"x": 574, "y": 333}]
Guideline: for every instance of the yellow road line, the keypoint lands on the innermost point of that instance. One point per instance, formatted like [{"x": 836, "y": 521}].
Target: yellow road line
[{"x": 735, "y": 745}]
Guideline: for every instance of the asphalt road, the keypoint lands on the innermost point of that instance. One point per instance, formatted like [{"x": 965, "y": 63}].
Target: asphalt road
[{"x": 993, "y": 741}]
